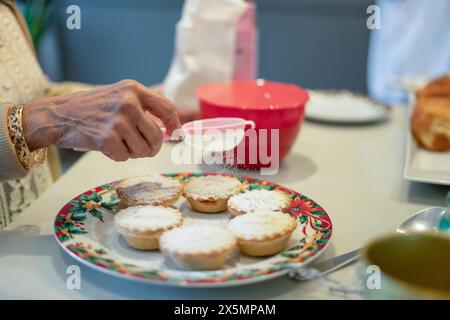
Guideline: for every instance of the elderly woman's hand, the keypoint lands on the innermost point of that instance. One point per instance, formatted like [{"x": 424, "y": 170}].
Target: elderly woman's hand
[{"x": 114, "y": 119}]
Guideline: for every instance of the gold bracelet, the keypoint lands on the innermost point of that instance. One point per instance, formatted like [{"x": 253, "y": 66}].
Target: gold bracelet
[{"x": 26, "y": 157}]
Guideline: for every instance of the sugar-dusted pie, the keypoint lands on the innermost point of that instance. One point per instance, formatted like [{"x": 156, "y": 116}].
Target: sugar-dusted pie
[
  {"x": 262, "y": 233},
  {"x": 141, "y": 226},
  {"x": 153, "y": 189},
  {"x": 258, "y": 200},
  {"x": 211, "y": 193},
  {"x": 198, "y": 246}
]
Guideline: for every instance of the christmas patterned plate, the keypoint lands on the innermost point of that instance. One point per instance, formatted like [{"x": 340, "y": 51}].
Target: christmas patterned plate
[{"x": 84, "y": 228}]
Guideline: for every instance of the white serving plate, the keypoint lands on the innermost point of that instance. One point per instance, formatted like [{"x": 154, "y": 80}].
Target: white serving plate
[
  {"x": 85, "y": 230},
  {"x": 343, "y": 107},
  {"x": 422, "y": 165}
]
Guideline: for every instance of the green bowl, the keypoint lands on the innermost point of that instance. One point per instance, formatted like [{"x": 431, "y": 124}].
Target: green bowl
[{"x": 415, "y": 266}]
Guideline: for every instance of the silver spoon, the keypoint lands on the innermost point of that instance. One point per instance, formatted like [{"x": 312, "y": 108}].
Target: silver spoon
[{"x": 425, "y": 220}]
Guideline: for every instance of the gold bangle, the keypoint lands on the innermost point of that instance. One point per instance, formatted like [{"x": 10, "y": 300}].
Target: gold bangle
[{"x": 26, "y": 157}]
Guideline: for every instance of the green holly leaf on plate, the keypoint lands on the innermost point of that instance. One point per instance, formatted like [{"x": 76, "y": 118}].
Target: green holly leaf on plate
[
  {"x": 77, "y": 210},
  {"x": 319, "y": 213},
  {"x": 261, "y": 187},
  {"x": 91, "y": 197},
  {"x": 96, "y": 214},
  {"x": 77, "y": 231},
  {"x": 303, "y": 219},
  {"x": 78, "y": 217},
  {"x": 109, "y": 206}
]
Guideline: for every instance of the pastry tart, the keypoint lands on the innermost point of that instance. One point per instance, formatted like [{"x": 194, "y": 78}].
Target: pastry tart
[
  {"x": 198, "y": 247},
  {"x": 151, "y": 189},
  {"x": 211, "y": 193},
  {"x": 262, "y": 233},
  {"x": 258, "y": 200},
  {"x": 141, "y": 226}
]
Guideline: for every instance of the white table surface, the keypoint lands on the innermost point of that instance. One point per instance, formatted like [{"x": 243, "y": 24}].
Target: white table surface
[{"x": 355, "y": 173}]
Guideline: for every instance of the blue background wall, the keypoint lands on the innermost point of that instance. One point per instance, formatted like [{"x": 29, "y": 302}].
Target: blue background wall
[{"x": 314, "y": 43}]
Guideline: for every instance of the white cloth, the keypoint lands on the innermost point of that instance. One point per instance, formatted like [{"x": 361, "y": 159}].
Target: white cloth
[
  {"x": 413, "y": 42},
  {"x": 204, "y": 48}
]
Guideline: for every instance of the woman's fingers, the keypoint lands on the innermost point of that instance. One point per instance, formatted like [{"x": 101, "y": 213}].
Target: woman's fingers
[
  {"x": 126, "y": 127},
  {"x": 159, "y": 106},
  {"x": 151, "y": 132},
  {"x": 136, "y": 144},
  {"x": 142, "y": 135},
  {"x": 114, "y": 147},
  {"x": 120, "y": 152}
]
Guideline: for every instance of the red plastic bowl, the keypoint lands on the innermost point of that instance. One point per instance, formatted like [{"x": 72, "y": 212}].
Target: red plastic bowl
[{"x": 271, "y": 105}]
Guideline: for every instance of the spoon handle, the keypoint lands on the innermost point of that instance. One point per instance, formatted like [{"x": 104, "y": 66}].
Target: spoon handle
[
  {"x": 318, "y": 269},
  {"x": 444, "y": 224}
]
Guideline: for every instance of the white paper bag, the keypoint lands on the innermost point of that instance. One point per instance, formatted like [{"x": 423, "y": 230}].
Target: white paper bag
[{"x": 205, "y": 48}]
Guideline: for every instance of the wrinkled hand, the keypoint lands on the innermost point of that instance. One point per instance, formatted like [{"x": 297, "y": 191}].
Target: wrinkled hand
[
  {"x": 114, "y": 119},
  {"x": 184, "y": 116}
]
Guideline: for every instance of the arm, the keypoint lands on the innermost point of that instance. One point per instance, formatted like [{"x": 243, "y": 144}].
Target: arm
[
  {"x": 114, "y": 119},
  {"x": 66, "y": 87},
  {"x": 57, "y": 89}
]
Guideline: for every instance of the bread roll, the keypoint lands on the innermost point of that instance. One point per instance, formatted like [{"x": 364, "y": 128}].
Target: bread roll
[{"x": 430, "y": 122}]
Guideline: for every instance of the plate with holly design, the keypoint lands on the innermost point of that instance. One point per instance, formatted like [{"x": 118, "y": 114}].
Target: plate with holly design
[{"x": 84, "y": 228}]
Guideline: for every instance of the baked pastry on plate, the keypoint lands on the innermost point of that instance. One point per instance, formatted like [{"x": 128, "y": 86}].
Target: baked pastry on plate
[
  {"x": 198, "y": 247},
  {"x": 153, "y": 189},
  {"x": 141, "y": 226},
  {"x": 262, "y": 233},
  {"x": 430, "y": 122},
  {"x": 211, "y": 193},
  {"x": 439, "y": 87},
  {"x": 258, "y": 200}
]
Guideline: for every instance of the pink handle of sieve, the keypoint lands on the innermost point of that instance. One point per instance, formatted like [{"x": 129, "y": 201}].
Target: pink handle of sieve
[
  {"x": 168, "y": 137},
  {"x": 250, "y": 123}
]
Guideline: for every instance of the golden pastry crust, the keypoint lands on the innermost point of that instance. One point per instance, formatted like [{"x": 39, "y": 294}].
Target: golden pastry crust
[
  {"x": 142, "y": 243},
  {"x": 152, "y": 189},
  {"x": 198, "y": 247},
  {"x": 141, "y": 226},
  {"x": 430, "y": 122},
  {"x": 208, "y": 206},
  {"x": 258, "y": 200},
  {"x": 439, "y": 87},
  {"x": 265, "y": 247},
  {"x": 209, "y": 194},
  {"x": 262, "y": 233},
  {"x": 430, "y": 125}
]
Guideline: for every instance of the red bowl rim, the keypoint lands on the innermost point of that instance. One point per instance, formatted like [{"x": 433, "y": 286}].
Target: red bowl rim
[{"x": 293, "y": 95}]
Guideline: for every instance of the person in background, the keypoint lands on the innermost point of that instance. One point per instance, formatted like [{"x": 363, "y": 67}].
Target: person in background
[
  {"x": 121, "y": 120},
  {"x": 413, "y": 44}
]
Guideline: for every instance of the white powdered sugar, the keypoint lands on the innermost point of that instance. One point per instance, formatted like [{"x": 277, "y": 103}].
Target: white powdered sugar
[
  {"x": 195, "y": 239},
  {"x": 149, "y": 187},
  {"x": 147, "y": 218},
  {"x": 212, "y": 187},
  {"x": 258, "y": 200},
  {"x": 259, "y": 225}
]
